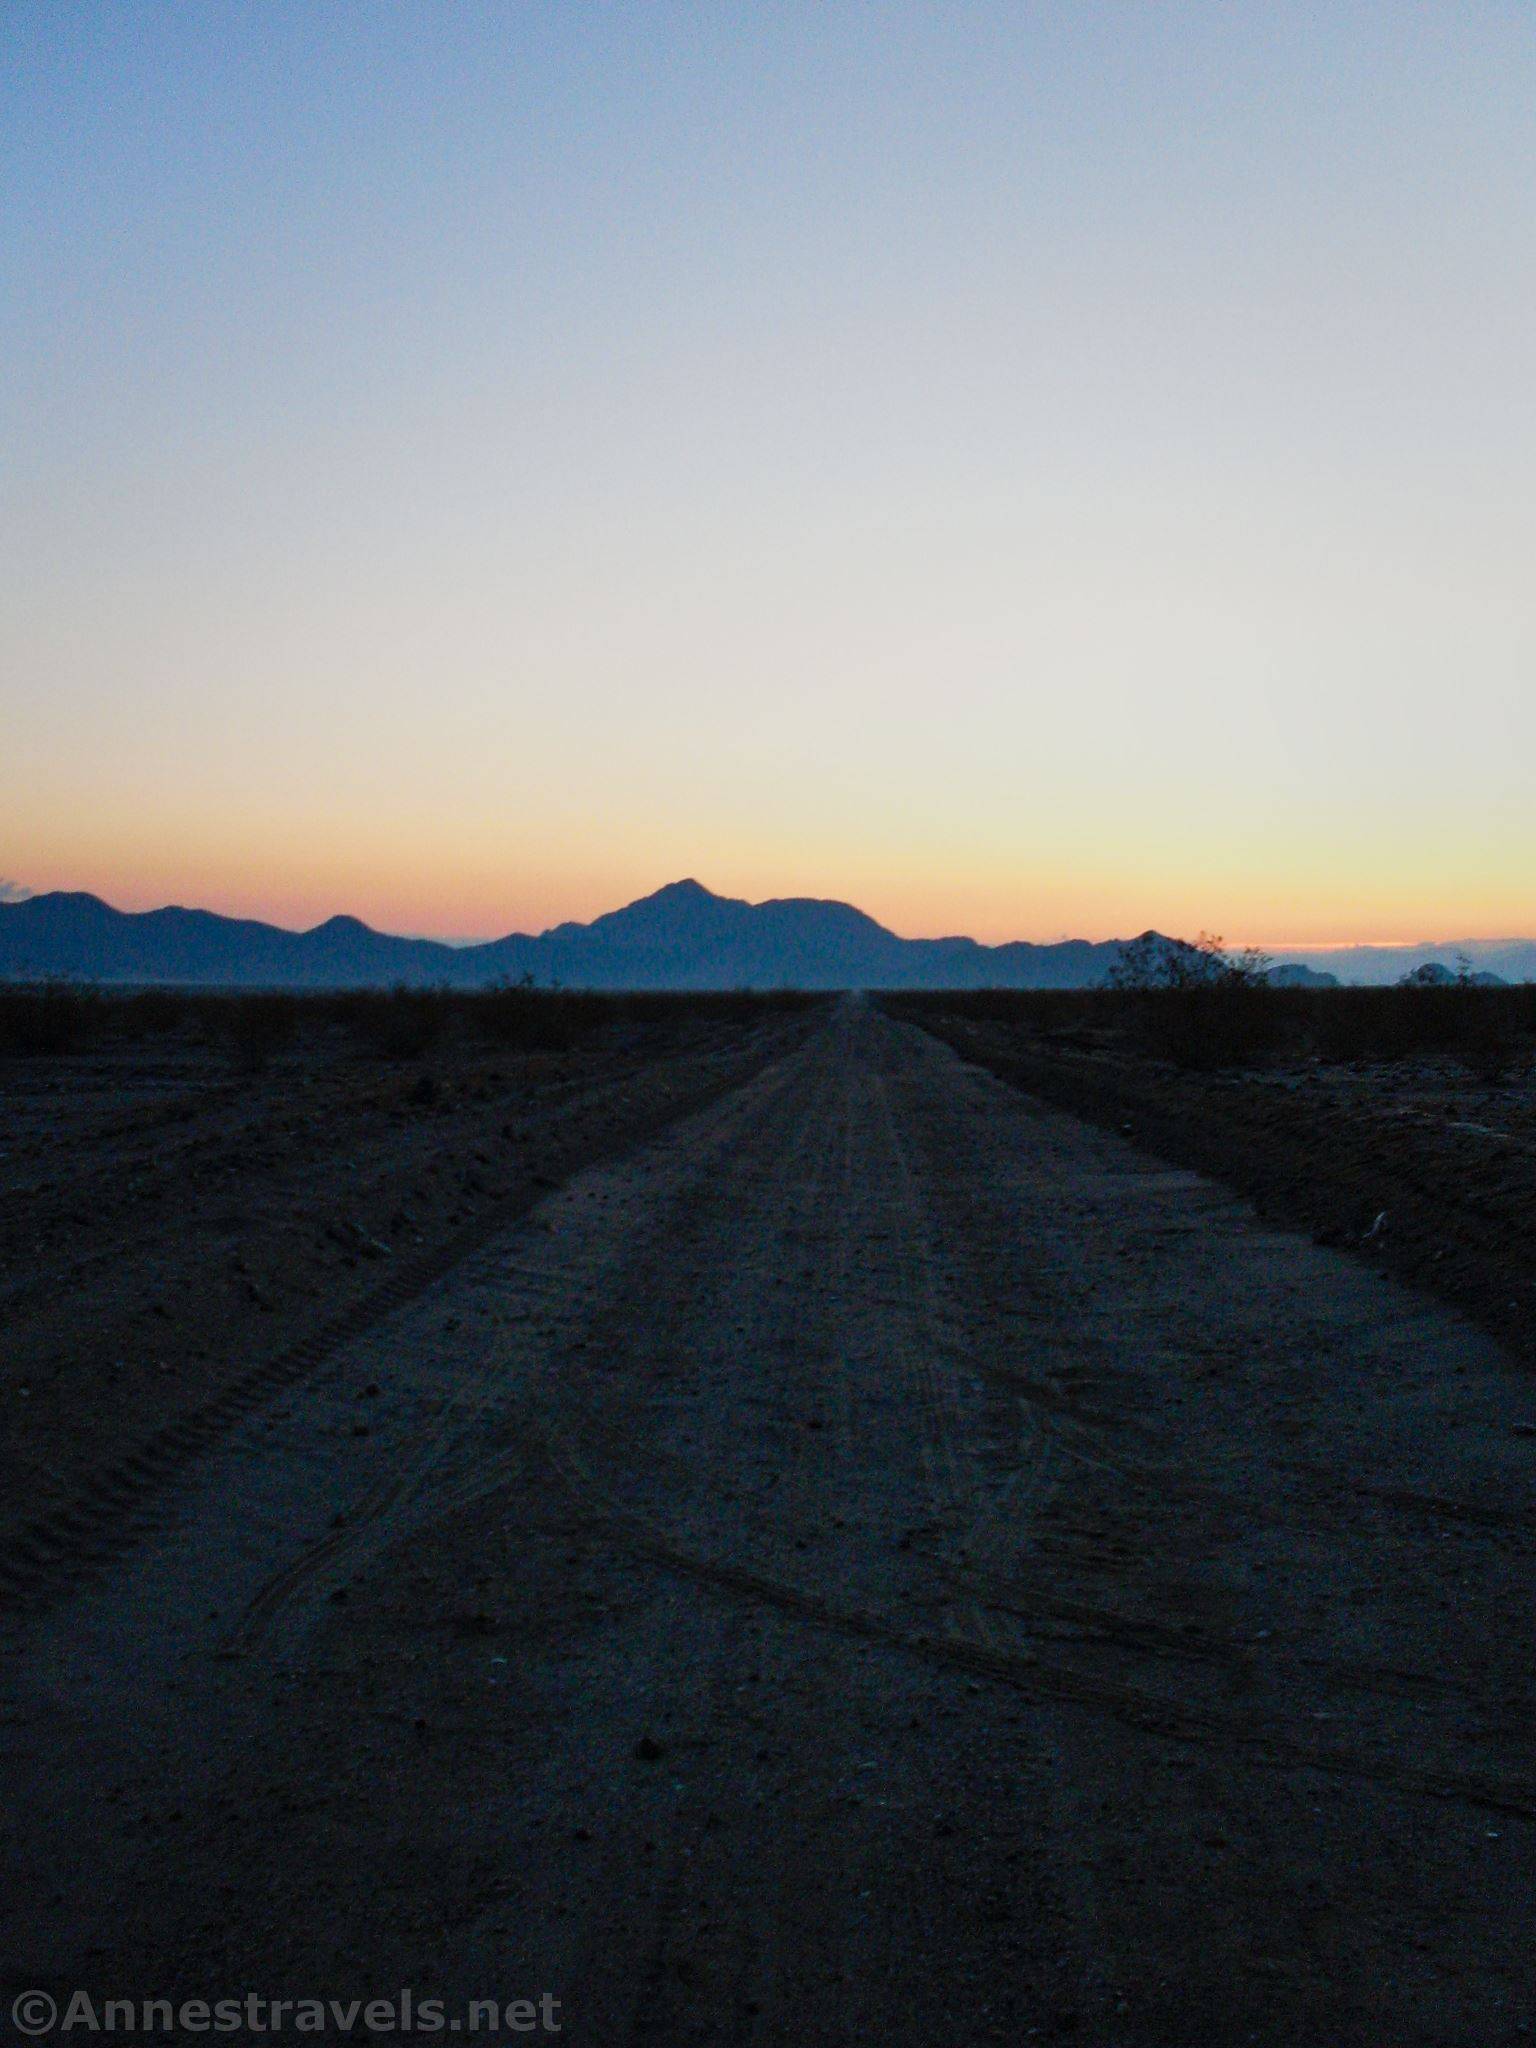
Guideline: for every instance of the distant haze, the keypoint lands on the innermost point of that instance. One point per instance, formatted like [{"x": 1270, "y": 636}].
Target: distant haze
[
  {"x": 1022, "y": 469},
  {"x": 1510, "y": 959}
]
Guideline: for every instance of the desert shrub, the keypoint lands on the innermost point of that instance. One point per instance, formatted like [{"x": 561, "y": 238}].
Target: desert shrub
[
  {"x": 48, "y": 1017},
  {"x": 149, "y": 1013},
  {"x": 1216, "y": 1024},
  {"x": 1492, "y": 1050},
  {"x": 1052, "y": 1012},
  {"x": 1365, "y": 1023},
  {"x": 1493, "y": 1039},
  {"x": 399, "y": 1023},
  {"x": 523, "y": 1018},
  {"x": 1237, "y": 1020},
  {"x": 1488, "y": 1029},
  {"x": 253, "y": 1028},
  {"x": 718, "y": 1006}
]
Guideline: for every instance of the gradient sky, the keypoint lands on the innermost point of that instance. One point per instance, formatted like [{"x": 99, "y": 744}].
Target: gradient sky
[{"x": 1026, "y": 469}]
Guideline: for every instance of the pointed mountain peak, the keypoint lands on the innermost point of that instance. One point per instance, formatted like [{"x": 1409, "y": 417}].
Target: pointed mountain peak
[
  {"x": 684, "y": 891},
  {"x": 676, "y": 909}
]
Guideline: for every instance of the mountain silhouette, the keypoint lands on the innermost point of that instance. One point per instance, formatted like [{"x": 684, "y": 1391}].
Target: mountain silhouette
[{"x": 682, "y": 936}]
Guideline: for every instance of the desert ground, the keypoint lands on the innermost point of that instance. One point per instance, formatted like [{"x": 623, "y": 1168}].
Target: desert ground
[{"x": 769, "y": 1527}]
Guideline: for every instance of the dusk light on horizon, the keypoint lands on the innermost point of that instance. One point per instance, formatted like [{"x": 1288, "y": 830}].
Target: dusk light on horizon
[{"x": 1025, "y": 470}]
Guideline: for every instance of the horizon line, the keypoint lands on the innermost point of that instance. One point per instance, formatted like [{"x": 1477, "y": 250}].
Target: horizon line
[{"x": 459, "y": 941}]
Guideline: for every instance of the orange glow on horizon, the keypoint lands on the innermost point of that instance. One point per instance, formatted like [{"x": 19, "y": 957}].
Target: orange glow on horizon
[
  {"x": 482, "y": 906},
  {"x": 598, "y": 502}
]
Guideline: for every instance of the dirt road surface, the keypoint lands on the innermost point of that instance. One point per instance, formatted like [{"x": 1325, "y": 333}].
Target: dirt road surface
[{"x": 881, "y": 1562}]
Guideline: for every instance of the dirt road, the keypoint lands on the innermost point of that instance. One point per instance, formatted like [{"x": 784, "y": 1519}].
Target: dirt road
[{"x": 883, "y": 1562}]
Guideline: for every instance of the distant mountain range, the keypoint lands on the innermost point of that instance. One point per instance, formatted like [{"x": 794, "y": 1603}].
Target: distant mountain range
[
  {"x": 1502, "y": 959},
  {"x": 682, "y": 936}
]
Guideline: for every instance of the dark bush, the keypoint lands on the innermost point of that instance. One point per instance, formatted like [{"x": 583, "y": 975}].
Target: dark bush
[
  {"x": 527, "y": 1019},
  {"x": 1219, "y": 1024},
  {"x": 1234, "y": 1021},
  {"x": 398, "y": 1023},
  {"x": 1486, "y": 1028},
  {"x": 254, "y": 1027},
  {"x": 401, "y": 1023},
  {"x": 149, "y": 1013},
  {"x": 48, "y": 1017}
]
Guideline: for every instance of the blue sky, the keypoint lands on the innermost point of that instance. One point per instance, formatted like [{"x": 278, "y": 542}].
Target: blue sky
[{"x": 1024, "y": 468}]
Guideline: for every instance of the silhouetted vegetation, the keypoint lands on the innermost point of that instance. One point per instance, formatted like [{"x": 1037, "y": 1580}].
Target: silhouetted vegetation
[
  {"x": 256, "y": 1027},
  {"x": 1209, "y": 1011},
  {"x": 397, "y": 1023},
  {"x": 1489, "y": 1030},
  {"x": 151, "y": 1013},
  {"x": 1239, "y": 1021},
  {"x": 48, "y": 1017},
  {"x": 1199, "y": 1005},
  {"x": 1153, "y": 962}
]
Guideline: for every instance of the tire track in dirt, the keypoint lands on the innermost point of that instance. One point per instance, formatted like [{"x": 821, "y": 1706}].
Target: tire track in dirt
[
  {"x": 980, "y": 1637},
  {"x": 963, "y": 1500},
  {"x": 1025, "y": 1672},
  {"x": 409, "y": 1499},
  {"x": 124, "y": 1502}
]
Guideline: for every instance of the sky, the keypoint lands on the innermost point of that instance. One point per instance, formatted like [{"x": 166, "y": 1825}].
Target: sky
[{"x": 1025, "y": 469}]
